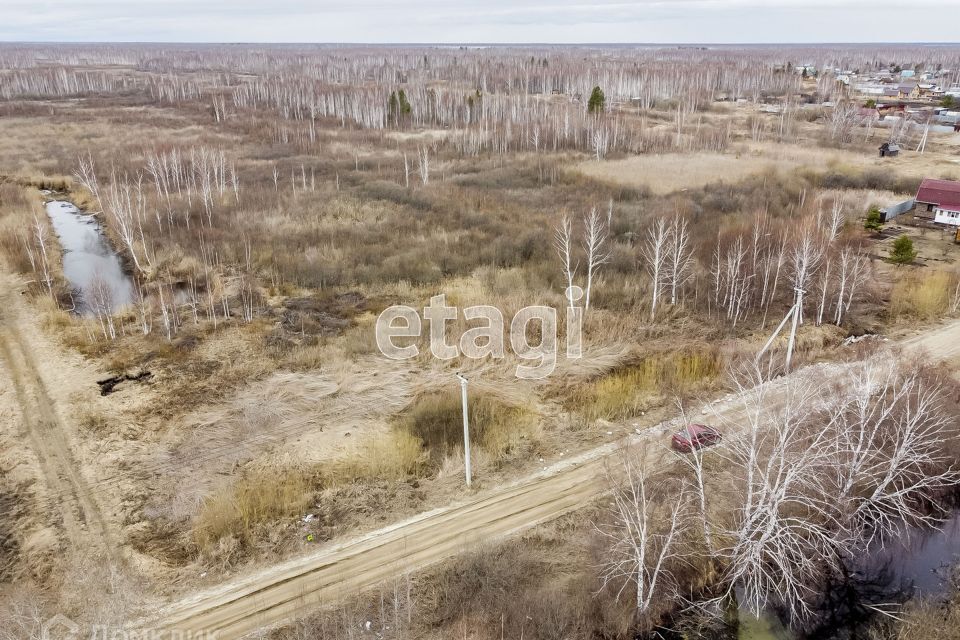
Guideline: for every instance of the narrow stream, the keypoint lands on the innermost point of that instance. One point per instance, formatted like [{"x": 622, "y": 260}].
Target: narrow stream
[
  {"x": 91, "y": 266},
  {"x": 917, "y": 565}
]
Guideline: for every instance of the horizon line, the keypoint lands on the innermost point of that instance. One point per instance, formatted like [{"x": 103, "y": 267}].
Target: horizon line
[{"x": 478, "y": 43}]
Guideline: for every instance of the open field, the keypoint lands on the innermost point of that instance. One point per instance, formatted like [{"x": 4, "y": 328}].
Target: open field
[
  {"x": 279, "y": 595},
  {"x": 666, "y": 173},
  {"x": 231, "y": 448}
]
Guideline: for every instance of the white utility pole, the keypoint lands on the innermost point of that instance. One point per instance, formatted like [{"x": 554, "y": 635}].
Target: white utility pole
[
  {"x": 923, "y": 141},
  {"x": 793, "y": 329},
  {"x": 794, "y": 314},
  {"x": 466, "y": 429}
]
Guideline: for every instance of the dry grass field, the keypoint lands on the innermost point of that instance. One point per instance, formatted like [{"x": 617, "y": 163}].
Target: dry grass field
[
  {"x": 268, "y": 207},
  {"x": 665, "y": 173}
]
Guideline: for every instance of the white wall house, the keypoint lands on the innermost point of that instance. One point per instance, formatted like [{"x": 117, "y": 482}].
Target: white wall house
[
  {"x": 947, "y": 216},
  {"x": 942, "y": 198}
]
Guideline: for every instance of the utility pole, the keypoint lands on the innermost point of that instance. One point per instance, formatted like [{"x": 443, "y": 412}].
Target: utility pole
[
  {"x": 792, "y": 314},
  {"x": 923, "y": 141},
  {"x": 793, "y": 329},
  {"x": 466, "y": 429}
]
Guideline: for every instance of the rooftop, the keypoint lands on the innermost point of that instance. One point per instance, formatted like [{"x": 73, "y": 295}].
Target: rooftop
[{"x": 944, "y": 193}]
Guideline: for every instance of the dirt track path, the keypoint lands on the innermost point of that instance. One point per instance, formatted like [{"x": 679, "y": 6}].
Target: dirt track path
[
  {"x": 942, "y": 343},
  {"x": 83, "y": 523},
  {"x": 282, "y": 592}
]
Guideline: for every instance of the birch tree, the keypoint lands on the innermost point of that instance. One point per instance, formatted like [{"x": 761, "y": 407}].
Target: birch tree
[
  {"x": 655, "y": 250},
  {"x": 563, "y": 243},
  {"x": 804, "y": 260},
  {"x": 679, "y": 257},
  {"x": 816, "y": 469},
  {"x": 121, "y": 203},
  {"x": 595, "y": 245},
  {"x": 891, "y": 430},
  {"x": 780, "y": 523},
  {"x": 423, "y": 158},
  {"x": 40, "y": 238},
  {"x": 852, "y": 275},
  {"x": 99, "y": 300},
  {"x": 640, "y": 539}
]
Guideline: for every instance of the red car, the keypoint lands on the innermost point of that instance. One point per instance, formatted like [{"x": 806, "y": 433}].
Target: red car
[{"x": 696, "y": 436}]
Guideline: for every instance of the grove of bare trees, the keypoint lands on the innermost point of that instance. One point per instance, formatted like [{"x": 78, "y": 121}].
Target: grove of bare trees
[{"x": 813, "y": 472}]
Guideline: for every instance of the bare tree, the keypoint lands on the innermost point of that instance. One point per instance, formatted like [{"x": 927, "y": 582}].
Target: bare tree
[
  {"x": 40, "y": 238},
  {"x": 600, "y": 142},
  {"x": 890, "y": 430},
  {"x": 816, "y": 472},
  {"x": 780, "y": 523},
  {"x": 594, "y": 243},
  {"x": 679, "y": 258},
  {"x": 122, "y": 203},
  {"x": 835, "y": 220},
  {"x": 804, "y": 260},
  {"x": 99, "y": 301},
  {"x": 423, "y": 158},
  {"x": 824, "y": 283},
  {"x": 655, "y": 251},
  {"x": 852, "y": 275},
  {"x": 694, "y": 461},
  {"x": 843, "y": 118},
  {"x": 641, "y": 536},
  {"x": 563, "y": 243},
  {"x": 144, "y": 309},
  {"x": 733, "y": 282},
  {"x": 23, "y": 617}
]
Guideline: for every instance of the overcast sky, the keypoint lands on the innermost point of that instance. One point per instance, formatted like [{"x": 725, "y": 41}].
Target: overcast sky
[{"x": 455, "y": 21}]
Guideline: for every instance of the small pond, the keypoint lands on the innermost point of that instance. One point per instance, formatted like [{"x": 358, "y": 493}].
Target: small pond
[
  {"x": 91, "y": 266},
  {"x": 917, "y": 565}
]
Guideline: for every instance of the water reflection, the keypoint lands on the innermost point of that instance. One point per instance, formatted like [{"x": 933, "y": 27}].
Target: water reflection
[
  {"x": 917, "y": 564},
  {"x": 90, "y": 264}
]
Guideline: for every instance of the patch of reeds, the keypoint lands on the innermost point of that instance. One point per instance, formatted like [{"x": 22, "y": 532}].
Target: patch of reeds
[
  {"x": 635, "y": 387},
  {"x": 436, "y": 420},
  {"x": 923, "y": 295},
  {"x": 238, "y": 510}
]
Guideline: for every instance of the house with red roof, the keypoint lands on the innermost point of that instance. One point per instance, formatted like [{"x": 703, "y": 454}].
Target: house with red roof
[{"x": 942, "y": 197}]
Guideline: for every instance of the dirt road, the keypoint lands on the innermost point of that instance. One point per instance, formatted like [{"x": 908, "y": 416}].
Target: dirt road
[
  {"x": 941, "y": 344},
  {"x": 283, "y": 592},
  {"x": 71, "y": 499}
]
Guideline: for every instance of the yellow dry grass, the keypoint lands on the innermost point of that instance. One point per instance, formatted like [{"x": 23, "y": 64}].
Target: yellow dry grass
[
  {"x": 671, "y": 172},
  {"x": 923, "y": 295},
  {"x": 666, "y": 173},
  {"x": 256, "y": 499},
  {"x": 390, "y": 456},
  {"x": 496, "y": 426},
  {"x": 627, "y": 391}
]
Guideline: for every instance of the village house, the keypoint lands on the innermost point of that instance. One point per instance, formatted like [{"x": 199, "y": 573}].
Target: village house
[
  {"x": 891, "y": 92},
  {"x": 908, "y": 90},
  {"x": 940, "y": 197}
]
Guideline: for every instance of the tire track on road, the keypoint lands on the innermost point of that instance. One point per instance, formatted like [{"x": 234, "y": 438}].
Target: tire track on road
[{"x": 71, "y": 497}]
